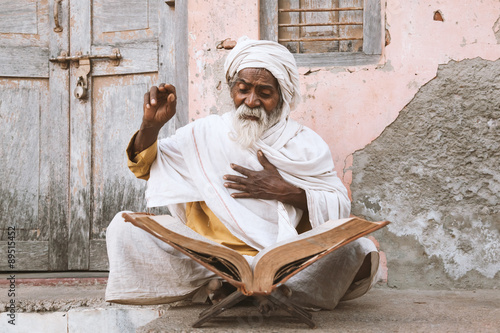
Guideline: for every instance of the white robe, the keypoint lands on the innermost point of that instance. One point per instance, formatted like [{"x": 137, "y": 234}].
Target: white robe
[{"x": 190, "y": 166}]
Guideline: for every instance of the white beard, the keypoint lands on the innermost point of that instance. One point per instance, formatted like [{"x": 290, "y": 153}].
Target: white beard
[{"x": 249, "y": 131}]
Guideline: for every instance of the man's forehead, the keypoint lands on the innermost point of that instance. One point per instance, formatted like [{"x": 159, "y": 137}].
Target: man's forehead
[{"x": 260, "y": 76}]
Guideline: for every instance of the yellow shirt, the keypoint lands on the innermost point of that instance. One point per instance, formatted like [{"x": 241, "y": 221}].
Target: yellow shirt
[{"x": 199, "y": 217}]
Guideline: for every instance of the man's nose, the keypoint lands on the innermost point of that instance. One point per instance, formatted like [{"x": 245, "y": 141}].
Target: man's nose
[{"x": 252, "y": 100}]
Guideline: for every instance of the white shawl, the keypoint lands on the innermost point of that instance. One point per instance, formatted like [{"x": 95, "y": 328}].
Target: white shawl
[{"x": 190, "y": 166}]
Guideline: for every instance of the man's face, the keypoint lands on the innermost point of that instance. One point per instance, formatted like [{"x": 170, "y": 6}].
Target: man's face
[
  {"x": 256, "y": 87},
  {"x": 256, "y": 98}
]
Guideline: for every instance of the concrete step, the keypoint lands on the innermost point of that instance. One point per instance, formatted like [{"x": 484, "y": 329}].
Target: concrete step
[{"x": 66, "y": 302}]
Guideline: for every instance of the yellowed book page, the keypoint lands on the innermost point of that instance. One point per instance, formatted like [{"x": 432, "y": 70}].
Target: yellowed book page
[{"x": 325, "y": 238}]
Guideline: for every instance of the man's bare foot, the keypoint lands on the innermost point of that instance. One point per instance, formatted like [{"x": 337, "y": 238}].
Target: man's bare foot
[
  {"x": 266, "y": 306},
  {"x": 213, "y": 285},
  {"x": 225, "y": 289}
]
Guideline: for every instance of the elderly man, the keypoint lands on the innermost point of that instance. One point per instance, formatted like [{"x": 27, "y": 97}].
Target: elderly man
[{"x": 246, "y": 179}]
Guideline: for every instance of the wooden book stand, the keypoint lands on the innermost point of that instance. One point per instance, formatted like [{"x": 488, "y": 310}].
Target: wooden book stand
[{"x": 276, "y": 297}]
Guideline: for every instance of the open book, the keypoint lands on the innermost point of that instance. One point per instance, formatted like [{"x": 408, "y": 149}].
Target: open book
[{"x": 272, "y": 266}]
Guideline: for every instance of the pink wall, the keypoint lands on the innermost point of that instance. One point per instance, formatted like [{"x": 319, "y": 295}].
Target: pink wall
[
  {"x": 348, "y": 106},
  {"x": 210, "y": 22}
]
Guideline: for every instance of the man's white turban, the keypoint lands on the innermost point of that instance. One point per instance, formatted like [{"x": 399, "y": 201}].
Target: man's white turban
[{"x": 272, "y": 56}]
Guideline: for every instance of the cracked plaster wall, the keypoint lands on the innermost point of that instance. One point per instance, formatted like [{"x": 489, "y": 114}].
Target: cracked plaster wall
[
  {"x": 435, "y": 173},
  {"x": 350, "y": 106}
]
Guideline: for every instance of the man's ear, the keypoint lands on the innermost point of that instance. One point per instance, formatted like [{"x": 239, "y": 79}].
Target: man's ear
[{"x": 232, "y": 84}]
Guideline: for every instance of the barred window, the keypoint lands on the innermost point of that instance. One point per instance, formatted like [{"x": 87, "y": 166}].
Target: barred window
[{"x": 325, "y": 32}]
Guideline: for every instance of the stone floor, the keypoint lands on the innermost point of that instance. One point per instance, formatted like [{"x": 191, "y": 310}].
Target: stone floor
[{"x": 69, "y": 304}]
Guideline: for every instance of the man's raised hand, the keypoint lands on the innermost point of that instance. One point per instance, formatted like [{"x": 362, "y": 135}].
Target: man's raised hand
[{"x": 159, "y": 106}]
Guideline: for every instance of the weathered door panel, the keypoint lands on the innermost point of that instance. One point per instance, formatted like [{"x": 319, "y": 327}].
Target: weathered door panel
[
  {"x": 116, "y": 116},
  {"x": 34, "y": 136},
  {"x": 20, "y": 149},
  {"x": 65, "y": 173},
  {"x": 24, "y": 38},
  {"x": 112, "y": 113},
  {"x": 102, "y": 123}
]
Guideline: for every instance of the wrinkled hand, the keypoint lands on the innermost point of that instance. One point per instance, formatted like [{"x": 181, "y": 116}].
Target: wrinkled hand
[
  {"x": 159, "y": 106},
  {"x": 266, "y": 184}
]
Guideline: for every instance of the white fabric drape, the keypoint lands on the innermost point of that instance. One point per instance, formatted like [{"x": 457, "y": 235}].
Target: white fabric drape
[{"x": 190, "y": 166}]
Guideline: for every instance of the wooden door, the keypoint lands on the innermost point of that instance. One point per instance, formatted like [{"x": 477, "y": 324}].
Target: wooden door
[
  {"x": 80, "y": 191},
  {"x": 34, "y": 138}
]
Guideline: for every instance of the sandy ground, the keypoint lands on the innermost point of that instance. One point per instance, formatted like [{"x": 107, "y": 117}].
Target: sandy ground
[{"x": 381, "y": 310}]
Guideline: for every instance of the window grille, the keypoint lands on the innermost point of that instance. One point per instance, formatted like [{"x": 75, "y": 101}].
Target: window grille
[
  {"x": 325, "y": 32},
  {"x": 319, "y": 26}
]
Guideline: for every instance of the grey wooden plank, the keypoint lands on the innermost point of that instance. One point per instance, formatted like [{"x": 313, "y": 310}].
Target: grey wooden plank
[
  {"x": 293, "y": 18},
  {"x": 32, "y": 186},
  {"x": 118, "y": 22},
  {"x": 168, "y": 58},
  {"x": 181, "y": 62},
  {"x": 28, "y": 30},
  {"x": 115, "y": 120},
  {"x": 54, "y": 151},
  {"x": 166, "y": 40},
  {"x": 24, "y": 62},
  {"x": 336, "y": 59},
  {"x": 154, "y": 17},
  {"x": 81, "y": 143},
  {"x": 29, "y": 256},
  {"x": 18, "y": 17},
  {"x": 117, "y": 97},
  {"x": 80, "y": 184},
  {"x": 98, "y": 256},
  {"x": 120, "y": 15},
  {"x": 372, "y": 27},
  {"x": 174, "y": 60},
  {"x": 351, "y": 31},
  {"x": 19, "y": 135},
  {"x": 138, "y": 57},
  {"x": 269, "y": 20}
]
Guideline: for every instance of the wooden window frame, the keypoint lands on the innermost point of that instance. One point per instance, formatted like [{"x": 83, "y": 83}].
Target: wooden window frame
[{"x": 372, "y": 37}]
